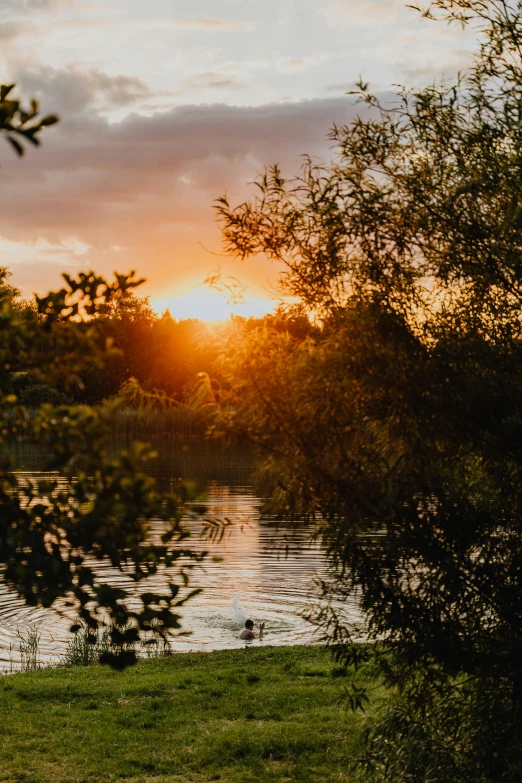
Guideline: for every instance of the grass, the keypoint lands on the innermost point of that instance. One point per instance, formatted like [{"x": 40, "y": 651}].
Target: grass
[
  {"x": 257, "y": 714},
  {"x": 29, "y": 646},
  {"x": 82, "y": 652}
]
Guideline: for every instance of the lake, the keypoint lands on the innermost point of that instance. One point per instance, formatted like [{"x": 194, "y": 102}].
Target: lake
[{"x": 266, "y": 573}]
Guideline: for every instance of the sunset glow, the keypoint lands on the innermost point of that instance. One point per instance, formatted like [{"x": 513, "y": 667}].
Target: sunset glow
[
  {"x": 164, "y": 107},
  {"x": 209, "y": 306}
]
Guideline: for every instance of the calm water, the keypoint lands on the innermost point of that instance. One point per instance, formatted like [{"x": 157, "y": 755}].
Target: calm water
[{"x": 266, "y": 574}]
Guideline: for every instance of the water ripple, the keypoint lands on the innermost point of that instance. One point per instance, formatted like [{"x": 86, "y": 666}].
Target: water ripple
[{"x": 270, "y": 570}]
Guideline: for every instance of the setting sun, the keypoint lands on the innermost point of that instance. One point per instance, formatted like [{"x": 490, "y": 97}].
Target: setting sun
[{"x": 207, "y": 305}]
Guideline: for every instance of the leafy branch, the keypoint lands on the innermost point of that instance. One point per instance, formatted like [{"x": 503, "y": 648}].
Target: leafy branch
[{"x": 20, "y": 124}]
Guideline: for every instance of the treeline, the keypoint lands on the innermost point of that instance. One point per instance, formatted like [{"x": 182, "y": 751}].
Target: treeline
[{"x": 162, "y": 353}]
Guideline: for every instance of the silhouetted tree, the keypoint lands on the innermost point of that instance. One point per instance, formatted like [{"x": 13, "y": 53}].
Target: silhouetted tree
[{"x": 397, "y": 430}]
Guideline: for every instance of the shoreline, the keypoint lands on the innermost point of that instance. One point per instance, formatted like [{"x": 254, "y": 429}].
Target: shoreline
[{"x": 43, "y": 663}]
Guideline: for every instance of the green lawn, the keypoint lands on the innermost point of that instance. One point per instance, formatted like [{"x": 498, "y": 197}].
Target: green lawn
[{"x": 269, "y": 714}]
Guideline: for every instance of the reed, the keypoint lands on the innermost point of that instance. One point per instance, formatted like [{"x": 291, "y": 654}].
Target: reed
[
  {"x": 148, "y": 424},
  {"x": 29, "y": 647},
  {"x": 173, "y": 422},
  {"x": 83, "y": 650}
]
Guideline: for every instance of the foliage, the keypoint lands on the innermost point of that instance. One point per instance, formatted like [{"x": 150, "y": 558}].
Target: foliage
[
  {"x": 53, "y": 531},
  {"x": 397, "y": 427},
  {"x": 18, "y": 124},
  {"x": 267, "y": 714},
  {"x": 163, "y": 353},
  {"x": 5, "y": 275},
  {"x": 85, "y": 650},
  {"x": 32, "y": 394},
  {"x": 160, "y": 352}
]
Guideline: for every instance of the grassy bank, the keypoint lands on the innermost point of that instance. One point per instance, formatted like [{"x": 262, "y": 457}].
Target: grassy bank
[{"x": 269, "y": 714}]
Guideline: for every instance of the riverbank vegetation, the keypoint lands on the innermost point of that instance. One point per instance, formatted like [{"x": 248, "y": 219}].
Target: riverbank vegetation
[{"x": 263, "y": 714}]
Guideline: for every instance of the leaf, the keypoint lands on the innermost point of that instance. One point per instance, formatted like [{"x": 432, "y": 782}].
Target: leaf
[
  {"x": 16, "y": 146},
  {"x": 50, "y": 119},
  {"x": 5, "y": 89},
  {"x": 119, "y": 661}
]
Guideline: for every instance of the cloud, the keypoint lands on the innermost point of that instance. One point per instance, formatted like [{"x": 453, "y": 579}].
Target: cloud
[
  {"x": 10, "y": 31},
  {"x": 47, "y": 5},
  {"x": 304, "y": 63},
  {"x": 210, "y": 23},
  {"x": 147, "y": 184},
  {"x": 340, "y": 89},
  {"x": 429, "y": 54},
  {"x": 76, "y": 88},
  {"x": 434, "y": 66},
  {"x": 40, "y": 250},
  {"x": 214, "y": 80},
  {"x": 30, "y": 6},
  {"x": 356, "y": 11}
]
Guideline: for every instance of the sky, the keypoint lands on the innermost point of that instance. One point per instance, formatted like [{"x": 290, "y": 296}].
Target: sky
[{"x": 167, "y": 104}]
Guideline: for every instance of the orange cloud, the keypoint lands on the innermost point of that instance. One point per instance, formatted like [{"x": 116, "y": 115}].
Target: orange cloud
[{"x": 138, "y": 194}]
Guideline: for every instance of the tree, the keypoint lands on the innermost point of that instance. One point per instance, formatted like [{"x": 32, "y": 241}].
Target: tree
[
  {"x": 397, "y": 428},
  {"x": 54, "y": 531},
  {"x": 5, "y": 275}
]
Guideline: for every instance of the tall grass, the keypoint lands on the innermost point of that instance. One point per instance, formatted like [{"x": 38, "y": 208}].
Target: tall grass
[
  {"x": 154, "y": 647},
  {"x": 81, "y": 651},
  {"x": 147, "y": 424},
  {"x": 29, "y": 646},
  {"x": 84, "y": 650}
]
